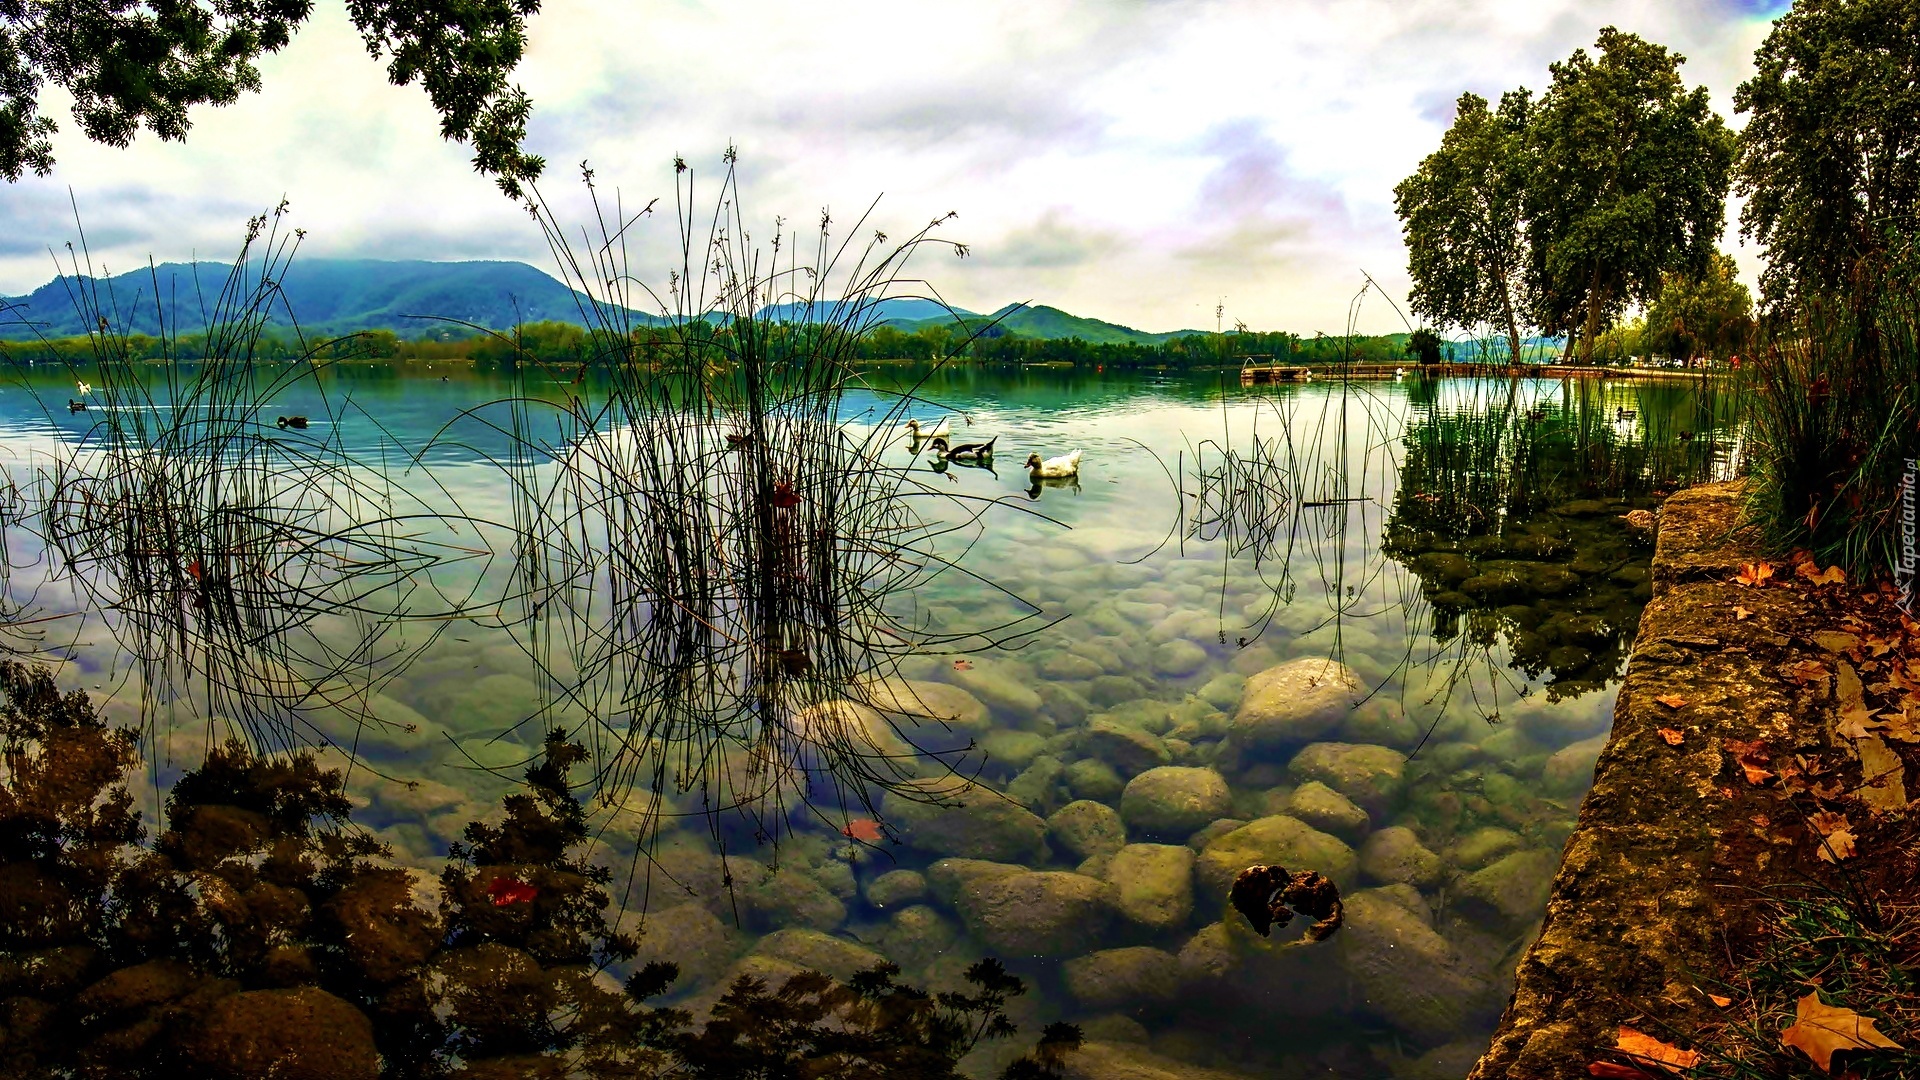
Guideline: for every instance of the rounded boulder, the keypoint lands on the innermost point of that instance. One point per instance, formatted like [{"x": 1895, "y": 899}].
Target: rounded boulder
[{"x": 1174, "y": 801}]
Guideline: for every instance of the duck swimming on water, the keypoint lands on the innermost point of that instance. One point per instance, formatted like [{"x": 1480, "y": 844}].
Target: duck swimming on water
[
  {"x": 942, "y": 430},
  {"x": 76, "y": 406},
  {"x": 1053, "y": 468},
  {"x": 297, "y": 422},
  {"x": 973, "y": 451}
]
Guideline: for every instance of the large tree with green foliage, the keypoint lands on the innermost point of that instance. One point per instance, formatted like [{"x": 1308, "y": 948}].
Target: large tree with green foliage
[
  {"x": 1463, "y": 214},
  {"x": 1830, "y": 158},
  {"x": 1629, "y": 182},
  {"x": 134, "y": 62},
  {"x": 1708, "y": 315}
]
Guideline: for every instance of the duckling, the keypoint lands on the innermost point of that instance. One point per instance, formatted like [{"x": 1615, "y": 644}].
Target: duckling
[
  {"x": 942, "y": 430},
  {"x": 1053, "y": 468},
  {"x": 1686, "y": 436},
  {"x": 1399, "y": 373},
  {"x": 76, "y": 406},
  {"x": 973, "y": 451},
  {"x": 296, "y": 422},
  {"x": 1624, "y": 414},
  {"x": 85, "y": 388}
]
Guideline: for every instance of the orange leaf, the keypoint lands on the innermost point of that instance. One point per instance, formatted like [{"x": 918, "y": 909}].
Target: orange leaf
[
  {"x": 1820, "y": 1030},
  {"x": 1836, "y": 834},
  {"x": 1671, "y": 701},
  {"x": 1832, "y": 575},
  {"x": 1807, "y": 671},
  {"x": 1649, "y": 1049},
  {"x": 1753, "y": 758},
  {"x": 1740, "y": 613},
  {"x": 1754, "y": 573},
  {"x": 1723, "y": 1002},
  {"x": 963, "y": 665},
  {"x": 1607, "y": 1070},
  {"x": 1673, "y": 737}
]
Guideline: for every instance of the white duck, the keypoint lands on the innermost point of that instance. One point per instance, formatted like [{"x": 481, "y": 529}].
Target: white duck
[
  {"x": 1053, "y": 468},
  {"x": 942, "y": 430}
]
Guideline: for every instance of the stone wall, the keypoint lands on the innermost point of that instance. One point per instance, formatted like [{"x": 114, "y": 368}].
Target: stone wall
[{"x": 1631, "y": 925}]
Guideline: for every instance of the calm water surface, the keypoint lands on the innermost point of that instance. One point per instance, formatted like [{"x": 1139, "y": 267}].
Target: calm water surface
[{"x": 1439, "y": 796}]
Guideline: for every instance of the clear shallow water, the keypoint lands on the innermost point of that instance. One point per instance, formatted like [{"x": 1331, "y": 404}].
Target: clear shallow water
[{"x": 1150, "y": 612}]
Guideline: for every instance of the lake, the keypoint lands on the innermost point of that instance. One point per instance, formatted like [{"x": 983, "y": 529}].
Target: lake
[{"x": 1358, "y": 628}]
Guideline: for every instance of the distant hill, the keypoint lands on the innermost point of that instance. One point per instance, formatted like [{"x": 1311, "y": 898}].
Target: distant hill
[
  {"x": 339, "y": 296},
  {"x": 1041, "y": 321}
]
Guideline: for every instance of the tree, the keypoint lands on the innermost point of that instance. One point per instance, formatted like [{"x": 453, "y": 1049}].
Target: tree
[
  {"x": 1423, "y": 347},
  {"x": 1630, "y": 182},
  {"x": 1462, "y": 213},
  {"x": 1709, "y": 315},
  {"x": 129, "y": 63},
  {"x": 1830, "y": 159}
]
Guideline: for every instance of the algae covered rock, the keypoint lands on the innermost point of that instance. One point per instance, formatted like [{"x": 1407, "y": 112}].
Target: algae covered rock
[
  {"x": 1368, "y": 775},
  {"x": 301, "y": 1034},
  {"x": 1329, "y": 811},
  {"x": 1044, "y": 913},
  {"x": 896, "y": 888},
  {"x": 1130, "y": 750},
  {"x": 973, "y": 822},
  {"x": 1127, "y": 978},
  {"x": 1395, "y": 855},
  {"x": 1172, "y": 801},
  {"x": 1086, "y": 828},
  {"x": 1292, "y": 703},
  {"x": 915, "y": 935},
  {"x": 1153, "y": 884},
  {"x": 1570, "y": 770},
  {"x": 688, "y": 935},
  {"x": 1482, "y": 846},
  {"x": 1407, "y": 975},
  {"x": 948, "y": 878},
  {"x": 1132, "y": 1061},
  {"x": 1090, "y": 778},
  {"x": 820, "y": 952},
  {"x": 1277, "y": 840},
  {"x": 1515, "y": 886},
  {"x": 789, "y": 898},
  {"x": 912, "y": 704}
]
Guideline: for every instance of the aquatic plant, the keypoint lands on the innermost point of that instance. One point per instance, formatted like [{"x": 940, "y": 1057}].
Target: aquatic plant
[
  {"x": 713, "y": 564},
  {"x": 246, "y": 564}
]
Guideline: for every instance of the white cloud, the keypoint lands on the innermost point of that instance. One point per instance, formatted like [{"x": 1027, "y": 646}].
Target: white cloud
[{"x": 1133, "y": 160}]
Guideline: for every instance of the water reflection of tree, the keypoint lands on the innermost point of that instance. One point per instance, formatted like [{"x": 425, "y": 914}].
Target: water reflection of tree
[{"x": 1500, "y": 559}]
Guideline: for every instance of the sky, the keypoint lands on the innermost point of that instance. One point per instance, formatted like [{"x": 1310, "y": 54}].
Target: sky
[{"x": 1139, "y": 161}]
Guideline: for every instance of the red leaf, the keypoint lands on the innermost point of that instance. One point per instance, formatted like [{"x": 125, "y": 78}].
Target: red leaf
[
  {"x": 506, "y": 891},
  {"x": 194, "y": 570},
  {"x": 1607, "y": 1070},
  {"x": 864, "y": 829},
  {"x": 784, "y": 496}
]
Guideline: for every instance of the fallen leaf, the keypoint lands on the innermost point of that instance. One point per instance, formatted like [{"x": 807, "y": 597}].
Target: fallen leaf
[
  {"x": 1820, "y": 1030},
  {"x": 1852, "y": 722},
  {"x": 1751, "y": 754},
  {"x": 1723, "y": 1002},
  {"x": 865, "y": 829},
  {"x": 1836, "y": 834},
  {"x": 1882, "y": 776},
  {"x": 1649, "y": 1049},
  {"x": 1807, "y": 671},
  {"x": 1754, "y": 573},
  {"x": 1673, "y": 737},
  {"x": 1671, "y": 701},
  {"x": 963, "y": 665},
  {"x": 1761, "y": 820},
  {"x": 1740, "y": 613},
  {"x": 1835, "y": 641},
  {"x": 1900, "y": 726},
  {"x": 1832, "y": 575}
]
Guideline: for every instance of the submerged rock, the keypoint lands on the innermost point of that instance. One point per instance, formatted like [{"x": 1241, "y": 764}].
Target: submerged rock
[
  {"x": 896, "y": 888},
  {"x": 1032, "y": 914},
  {"x": 1292, "y": 703},
  {"x": 1369, "y": 775},
  {"x": 1153, "y": 884},
  {"x": 1130, "y": 750},
  {"x": 911, "y": 703},
  {"x": 1172, "y": 801},
  {"x": 984, "y": 825},
  {"x": 1002, "y": 686},
  {"x": 1570, "y": 770},
  {"x": 1514, "y": 886},
  {"x": 1132, "y": 1061},
  {"x": 916, "y": 935},
  {"x": 1395, "y": 855},
  {"x": 1329, "y": 811},
  {"x": 688, "y": 935},
  {"x": 1407, "y": 974},
  {"x": 1128, "y": 978},
  {"x": 1271, "y": 841},
  {"x": 1086, "y": 828},
  {"x": 1093, "y": 779},
  {"x": 788, "y": 898},
  {"x": 820, "y": 952},
  {"x": 1482, "y": 846},
  {"x": 302, "y": 1034}
]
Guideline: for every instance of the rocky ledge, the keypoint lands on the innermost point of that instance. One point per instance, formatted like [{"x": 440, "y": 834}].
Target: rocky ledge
[{"x": 1630, "y": 928}]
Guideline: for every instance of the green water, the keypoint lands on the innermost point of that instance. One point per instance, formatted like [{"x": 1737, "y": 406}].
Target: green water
[{"x": 1149, "y": 591}]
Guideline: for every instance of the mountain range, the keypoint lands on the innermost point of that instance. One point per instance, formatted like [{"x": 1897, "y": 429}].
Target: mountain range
[{"x": 417, "y": 297}]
